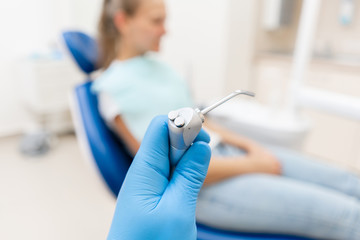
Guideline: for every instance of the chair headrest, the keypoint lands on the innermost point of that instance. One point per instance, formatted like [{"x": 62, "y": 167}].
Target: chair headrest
[{"x": 83, "y": 48}]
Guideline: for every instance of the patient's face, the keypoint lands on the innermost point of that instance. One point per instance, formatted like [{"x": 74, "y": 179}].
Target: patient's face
[{"x": 147, "y": 26}]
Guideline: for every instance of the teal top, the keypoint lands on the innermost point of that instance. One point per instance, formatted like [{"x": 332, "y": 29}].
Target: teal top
[{"x": 141, "y": 88}]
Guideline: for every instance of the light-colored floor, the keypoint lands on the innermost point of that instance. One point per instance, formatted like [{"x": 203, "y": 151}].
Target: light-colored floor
[{"x": 56, "y": 196}]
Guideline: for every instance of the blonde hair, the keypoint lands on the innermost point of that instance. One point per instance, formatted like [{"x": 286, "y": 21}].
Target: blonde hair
[{"x": 109, "y": 36}]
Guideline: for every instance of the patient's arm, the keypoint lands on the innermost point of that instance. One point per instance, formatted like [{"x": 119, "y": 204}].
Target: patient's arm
[
  {"x": 130, "y": 141},
  {"x": 220, "y": 168},
  {"x": 257, "y": 159}
]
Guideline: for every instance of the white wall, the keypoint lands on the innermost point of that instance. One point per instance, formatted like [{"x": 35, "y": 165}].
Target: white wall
[
  {"x": 241, "y": 47},
  {"x": 28, "y": 27},
  {"x": 85, "y": 14},
  {"x": 211, "y": 42},
  {"x": 196, "y": 43}
]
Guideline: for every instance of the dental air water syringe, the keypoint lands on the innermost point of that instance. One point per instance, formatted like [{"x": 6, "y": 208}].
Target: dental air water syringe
[{"x": 185, "y": 124}]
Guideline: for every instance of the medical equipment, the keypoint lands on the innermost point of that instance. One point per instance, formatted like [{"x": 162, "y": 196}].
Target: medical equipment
[{"x": 185, "y": 124}]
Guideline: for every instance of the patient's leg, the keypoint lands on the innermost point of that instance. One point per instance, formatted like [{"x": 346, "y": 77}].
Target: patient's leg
[
  {"x": 268, "y": 203},
  {"x": 303, "y": 168}
]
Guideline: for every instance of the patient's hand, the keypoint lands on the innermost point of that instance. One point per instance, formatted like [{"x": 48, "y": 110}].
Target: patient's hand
[{"x": 263, "y": 161}]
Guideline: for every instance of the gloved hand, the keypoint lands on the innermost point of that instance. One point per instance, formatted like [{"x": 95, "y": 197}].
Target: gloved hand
[{"x": 154, "y": 204}]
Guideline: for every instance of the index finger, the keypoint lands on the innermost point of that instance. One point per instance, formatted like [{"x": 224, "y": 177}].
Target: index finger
[{"x": 202, "y": 136}]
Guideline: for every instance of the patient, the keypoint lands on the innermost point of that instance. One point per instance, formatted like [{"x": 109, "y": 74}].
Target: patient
[{"x": 248, "y": 187}]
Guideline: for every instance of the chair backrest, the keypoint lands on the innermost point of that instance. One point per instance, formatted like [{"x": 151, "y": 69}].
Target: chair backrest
[
  {"x": 107, "y": 152},
  {"x": 83, "y": 48}
]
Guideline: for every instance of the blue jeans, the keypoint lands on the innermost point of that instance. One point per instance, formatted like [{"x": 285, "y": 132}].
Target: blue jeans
[{"x": 310, "y": 199}]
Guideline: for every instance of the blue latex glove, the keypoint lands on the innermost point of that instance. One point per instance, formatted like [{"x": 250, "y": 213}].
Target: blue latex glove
[{"x": 151, "y": 205}]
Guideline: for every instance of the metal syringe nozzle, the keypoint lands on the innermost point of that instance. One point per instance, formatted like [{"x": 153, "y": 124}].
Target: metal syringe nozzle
[{"x": 225, "y": 99}]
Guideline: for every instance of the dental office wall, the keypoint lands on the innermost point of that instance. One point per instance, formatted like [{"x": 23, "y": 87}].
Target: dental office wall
[
  {"x": 335, "y": 66},
  {"x": 233, "y": 51},
  {"x": 210, "y": 44},
  {"x": 30, "y": 34},
  {"x": 204, "y": 59},
  {"x": 218, "y": 45}
]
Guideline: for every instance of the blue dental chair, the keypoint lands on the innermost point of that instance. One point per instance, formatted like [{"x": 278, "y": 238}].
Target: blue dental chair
[{"x": 105, "y": 149}]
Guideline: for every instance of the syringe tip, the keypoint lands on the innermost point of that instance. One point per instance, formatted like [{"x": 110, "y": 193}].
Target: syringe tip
[{"x": 246, "y": 93}]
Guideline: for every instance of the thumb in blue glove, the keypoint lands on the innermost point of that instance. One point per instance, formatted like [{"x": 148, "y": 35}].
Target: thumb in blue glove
[{"x": 153, "y": 205}]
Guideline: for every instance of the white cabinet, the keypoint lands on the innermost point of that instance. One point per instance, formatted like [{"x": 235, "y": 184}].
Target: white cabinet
[{"x": 45, "y": 85}]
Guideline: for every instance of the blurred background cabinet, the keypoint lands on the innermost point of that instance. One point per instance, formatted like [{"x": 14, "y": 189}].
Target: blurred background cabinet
[{"x": 45, "y": 85}]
